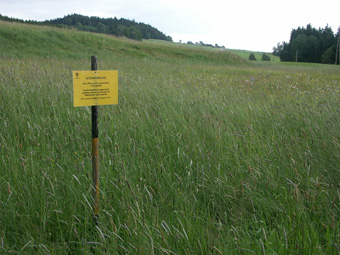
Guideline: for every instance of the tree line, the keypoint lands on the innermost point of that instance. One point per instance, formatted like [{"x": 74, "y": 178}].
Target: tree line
[
  {"x": 200, "y": 43},
  {"x": 309, "y": 45},
  {"x": 118, "y": 27}
]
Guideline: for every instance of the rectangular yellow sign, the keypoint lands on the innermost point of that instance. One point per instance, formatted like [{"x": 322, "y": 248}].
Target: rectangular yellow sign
[{"x": 95, "y": 88}]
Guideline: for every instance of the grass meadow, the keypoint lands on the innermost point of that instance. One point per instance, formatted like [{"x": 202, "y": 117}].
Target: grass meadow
[{"x": 205, "y": 153}]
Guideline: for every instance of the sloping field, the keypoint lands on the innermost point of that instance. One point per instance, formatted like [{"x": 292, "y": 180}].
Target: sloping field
[
  {"x": 27, "y": 41},
  {"x": 205, "y": 153}
]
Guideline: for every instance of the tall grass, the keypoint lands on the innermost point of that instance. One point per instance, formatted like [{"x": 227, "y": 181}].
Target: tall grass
[{"x": 195, "y": 159}]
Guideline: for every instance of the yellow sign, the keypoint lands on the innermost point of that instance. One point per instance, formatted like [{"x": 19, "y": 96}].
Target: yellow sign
[{"x": 95, "y": 88}]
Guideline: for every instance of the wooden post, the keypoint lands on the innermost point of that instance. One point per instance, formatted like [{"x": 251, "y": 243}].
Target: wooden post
[
  {"x": 95, "y": 152},
  {"x": 337, "y": 53},
  {"x": 339, "y": 50},
  {"x": 296, "y": 56}
]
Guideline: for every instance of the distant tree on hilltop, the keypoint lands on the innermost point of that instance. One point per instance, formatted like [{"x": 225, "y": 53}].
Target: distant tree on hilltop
[{"x": 119, "y": 27}]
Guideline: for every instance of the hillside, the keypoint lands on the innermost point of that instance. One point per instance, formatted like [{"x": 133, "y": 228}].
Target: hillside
[
  {"x": 26, "y": 40},
  {"x": 113, "y": 26}
]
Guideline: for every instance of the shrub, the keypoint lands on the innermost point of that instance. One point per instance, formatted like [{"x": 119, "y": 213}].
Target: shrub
[
  {"x": 329, "y": 56},
  {"x": 252, "y": 57},
  {"x": 265, "y": 57}
]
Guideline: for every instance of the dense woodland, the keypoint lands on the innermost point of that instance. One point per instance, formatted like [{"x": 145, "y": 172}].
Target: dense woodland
[
  {"x": 118, "y": 27},
  {"x": 309, "y": 45}
]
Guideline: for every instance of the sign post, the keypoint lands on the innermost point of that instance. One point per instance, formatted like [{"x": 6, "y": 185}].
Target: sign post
[
  {"x": 95, "y": 151},
  {"x": 93, "y": 88}
]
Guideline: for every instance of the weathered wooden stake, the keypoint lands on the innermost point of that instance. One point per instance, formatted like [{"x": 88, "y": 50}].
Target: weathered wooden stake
[
  {"x": 337, "y": 53},
  {"x": 95, "y": 151}
]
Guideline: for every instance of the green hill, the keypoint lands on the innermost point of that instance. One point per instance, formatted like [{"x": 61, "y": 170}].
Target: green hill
[
  {"x": 26, "y": 40},
  {"x": 113, "y": 26}
]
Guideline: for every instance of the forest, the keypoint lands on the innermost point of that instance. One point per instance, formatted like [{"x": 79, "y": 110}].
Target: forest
[
  {"x": 309, "y": 45},
  {"x": 118, "y": 27}
]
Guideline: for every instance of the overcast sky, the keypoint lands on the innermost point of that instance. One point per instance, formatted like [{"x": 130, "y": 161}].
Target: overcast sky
[{"x": 236, "y": 24}]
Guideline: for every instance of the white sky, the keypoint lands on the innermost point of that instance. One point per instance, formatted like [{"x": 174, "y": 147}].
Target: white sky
[{"x": 236, "y": 24}]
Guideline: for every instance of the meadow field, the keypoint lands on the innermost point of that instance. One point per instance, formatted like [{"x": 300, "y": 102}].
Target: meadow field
[{"x": 205, "y": 153}]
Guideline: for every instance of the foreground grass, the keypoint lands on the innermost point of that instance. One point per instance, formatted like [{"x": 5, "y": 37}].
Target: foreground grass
[{"x": 195, "y": 159}]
